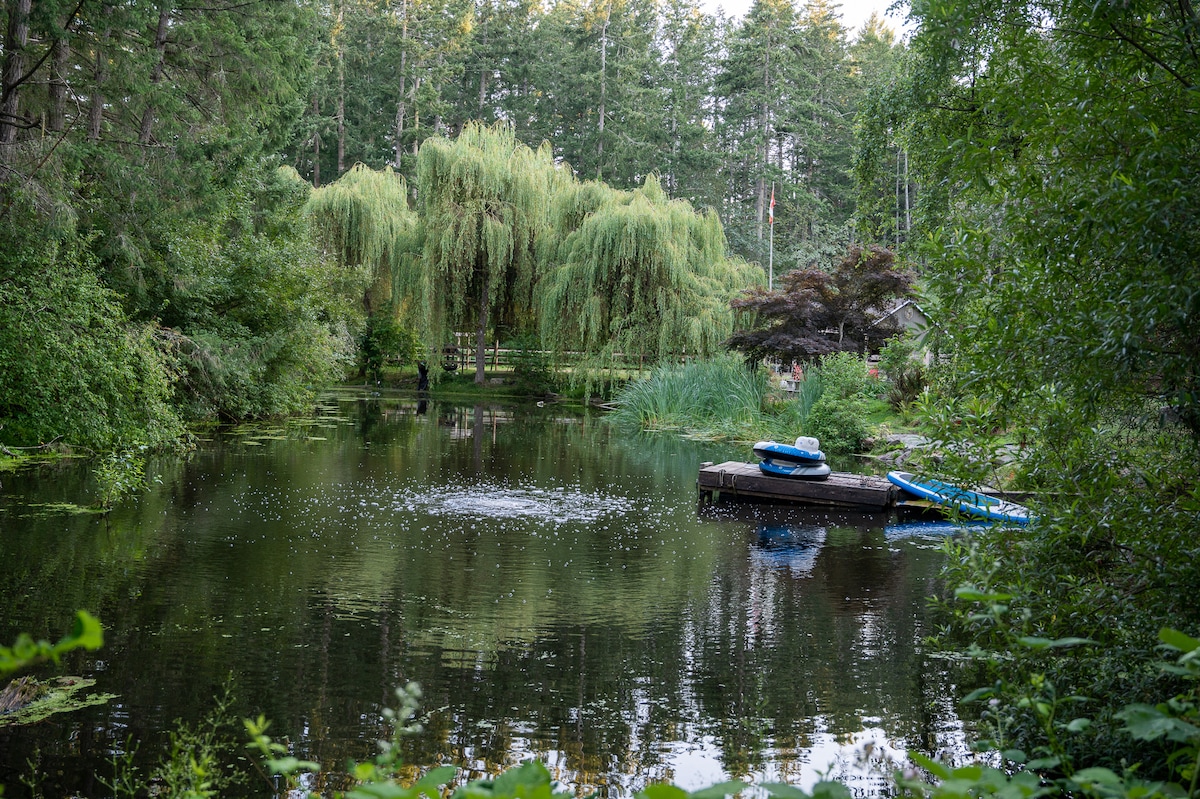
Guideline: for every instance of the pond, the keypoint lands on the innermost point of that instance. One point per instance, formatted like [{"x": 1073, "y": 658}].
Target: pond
[{"x": 551, "y": 582}]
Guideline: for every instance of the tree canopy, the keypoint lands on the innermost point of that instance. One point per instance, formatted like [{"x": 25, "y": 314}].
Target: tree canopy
[
  {"x": 815, "y": 312},
  {"x": 1058, "y": 149},
  {"x": 1056, "y": 145},
  {"x": 485, "y": 199},
  {"x": 145, "y": 141},
  {"x": 641, "y": 274}
]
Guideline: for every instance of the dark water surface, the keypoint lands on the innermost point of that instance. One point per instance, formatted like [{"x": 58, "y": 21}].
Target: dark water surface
[{"x": 550, "y": 581}]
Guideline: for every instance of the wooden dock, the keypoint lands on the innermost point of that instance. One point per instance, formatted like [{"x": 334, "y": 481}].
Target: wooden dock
[{"x": 840, "y": 489}]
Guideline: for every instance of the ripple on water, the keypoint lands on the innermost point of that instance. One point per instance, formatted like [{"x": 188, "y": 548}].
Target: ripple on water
[
  {"x": 559, "y": 505},
  {"x": 368, "y": 502}
]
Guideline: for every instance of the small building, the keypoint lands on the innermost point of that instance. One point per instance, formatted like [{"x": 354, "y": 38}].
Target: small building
[{"x": 910, "y": 318}]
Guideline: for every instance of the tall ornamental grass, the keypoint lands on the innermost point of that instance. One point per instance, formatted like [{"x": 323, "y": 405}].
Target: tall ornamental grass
[
  {"x": 717, "y": 398},
  {"x": 722, "y": 398}
]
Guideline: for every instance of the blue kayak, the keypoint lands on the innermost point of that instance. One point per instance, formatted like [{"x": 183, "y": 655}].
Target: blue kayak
[
  {"x": 787, "y": 453},
  {"x": 804, "y": 471},
  {"x": 961, "y": 500}
]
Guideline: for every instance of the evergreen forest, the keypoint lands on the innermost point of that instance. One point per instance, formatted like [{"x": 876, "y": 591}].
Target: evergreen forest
[{"x": 208, "y": 210}]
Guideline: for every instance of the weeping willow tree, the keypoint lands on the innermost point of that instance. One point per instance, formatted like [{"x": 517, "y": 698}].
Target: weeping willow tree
[
  {"x": 640, "y": 274},
  {"x": 485, "y": 201},
  {"x": 364, "y": 221}
]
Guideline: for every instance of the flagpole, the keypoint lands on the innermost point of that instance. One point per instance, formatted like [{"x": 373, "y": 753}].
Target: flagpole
[{"x": 771, "y": 242}]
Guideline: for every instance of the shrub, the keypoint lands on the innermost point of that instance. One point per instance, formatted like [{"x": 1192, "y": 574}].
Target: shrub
[
  {"x": 840, "y": 424},
  {"x": 72, "y": 367},
  {"x": 904, "y": 372},
  {"x": 532, "y": 374},
  {"x": 844, "y": 375}
]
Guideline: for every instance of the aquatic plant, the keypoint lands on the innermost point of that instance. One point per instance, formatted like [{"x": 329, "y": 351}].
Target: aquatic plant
[
  {"x": 720, "y": 397},
  {"x": 26, "y": 700}
]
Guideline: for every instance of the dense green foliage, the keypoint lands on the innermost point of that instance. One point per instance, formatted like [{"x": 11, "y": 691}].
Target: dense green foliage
[
  {"x": 485, "y": 200},
  {"x": 258, "y": 319},
  {"x": 73, "y": 368},
  {"x": 155, "y": 263},
  {"x": 86, "y": 633},
  {"x": 640, "y": 275},
  {"x": 718, "y": 397},
  {"x": 217, "y": 299},
  {"x": 838, "y": 417},
  {"x": 901, "y": 365},
  {"x": 1056, "y": 148},
  {"x": 721, "y": 109},
  {"x": 727, "y": 397}
]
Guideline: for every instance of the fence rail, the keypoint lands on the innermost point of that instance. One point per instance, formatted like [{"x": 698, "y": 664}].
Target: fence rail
[{"x": 461, "y": 356}]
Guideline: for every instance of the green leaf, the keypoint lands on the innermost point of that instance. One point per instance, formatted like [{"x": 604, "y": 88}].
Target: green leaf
[
  {"x": 1147, "y": 723},
  {"x": 979, "y": 693},
  {"x": 970, "y": 593},
  {"x": 290, "y": 765},
  {"x": 932, "y": 766},
  {"x": 783, "y": 790},
  {"x": 524, "y": 780},
  {"x": 971, "y": 773},
  {"x": 1096, "y": 776},
  {"x": 431, "y": 784},
  {"x": 87, "y": 632},
  {"x": 720, "y": 790},
  {"x": 1177, "y": 640},
  {"x": 830, "y": 790},
  {"x": 1079, "y": 725},
  {"x": 662, "y": 790},
  {"x": 1034, "y": 642}
]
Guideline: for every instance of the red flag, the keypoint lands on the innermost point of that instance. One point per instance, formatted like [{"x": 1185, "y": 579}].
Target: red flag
[{"x": 771, "y": 210}]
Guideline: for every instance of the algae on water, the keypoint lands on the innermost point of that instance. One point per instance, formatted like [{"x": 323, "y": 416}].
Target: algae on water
[{"x": 40, "y": 699}]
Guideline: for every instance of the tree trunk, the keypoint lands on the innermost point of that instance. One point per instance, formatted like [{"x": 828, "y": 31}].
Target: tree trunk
[
  {"x": 341, "y": 99},
  {"x": 603, "y": 93},
  {"x": 57, "y": 88},
  {"x": 99, "y": 74},
  {"x": 160, "y": 48},
  {"x": 764, "y": 150},
  {"x": 896, "y": 238},
  {"x": 760, "y": 202},
  {"x": 15, "y": 40},
  {"x": 416, "y": 87},
  {"x": 483, "y": 71},
  {"x": 316, "y": 144},
  {"x": 481, "y": 333},
  {"x": 907, "y": 206},
  {"x": 401, "y": 102}
]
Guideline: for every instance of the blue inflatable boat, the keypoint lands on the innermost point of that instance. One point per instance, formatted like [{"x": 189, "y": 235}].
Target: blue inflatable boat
[
  {"x": 804, "y": 452},
  {"x": 804, "y": 471},
  {"x": 969, "y": 503}
]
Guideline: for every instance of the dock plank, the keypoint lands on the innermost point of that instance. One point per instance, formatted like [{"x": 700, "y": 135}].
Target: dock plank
[{"x": 840, "y": 489}]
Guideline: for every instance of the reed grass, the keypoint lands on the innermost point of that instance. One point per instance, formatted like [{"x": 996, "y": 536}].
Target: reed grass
[{"x": 719, "y": 398}]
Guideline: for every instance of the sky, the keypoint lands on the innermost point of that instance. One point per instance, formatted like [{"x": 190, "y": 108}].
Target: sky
[{"x": 854, "y": 12}]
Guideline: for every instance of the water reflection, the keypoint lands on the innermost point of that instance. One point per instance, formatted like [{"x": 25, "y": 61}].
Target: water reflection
[
  {"x": 547, "y": 578},
  {"x": 791, "y": 547}
]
